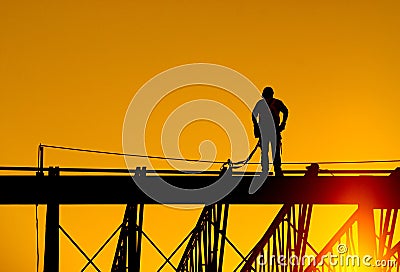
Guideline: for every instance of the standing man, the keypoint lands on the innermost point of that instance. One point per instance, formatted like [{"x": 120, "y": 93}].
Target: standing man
[{"x": 260, "y": 111}]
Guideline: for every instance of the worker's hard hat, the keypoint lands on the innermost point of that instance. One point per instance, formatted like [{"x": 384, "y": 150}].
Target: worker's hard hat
[{"x": 268, "y": 92}]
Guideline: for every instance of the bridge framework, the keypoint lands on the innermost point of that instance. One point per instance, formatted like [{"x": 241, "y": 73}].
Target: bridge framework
[{"x": 287, "y": 235}]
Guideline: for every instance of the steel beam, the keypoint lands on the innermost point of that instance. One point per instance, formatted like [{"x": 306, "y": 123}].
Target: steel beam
[{"x": 377, "y": 191}]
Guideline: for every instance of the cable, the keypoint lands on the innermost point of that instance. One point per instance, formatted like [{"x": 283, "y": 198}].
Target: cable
[
  {"x": 37, "y": 239},
  {"x": 129, "y": 155},
  {"x": 358, "y": 162},
  {"x": 246, "y": 161},
  {"x": 336, "y": 162},
  {"x": 329, "y": 171},
  {"x": 214, "y": 162}
]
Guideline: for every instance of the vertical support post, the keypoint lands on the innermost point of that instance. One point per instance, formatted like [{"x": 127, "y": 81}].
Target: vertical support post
[
  {"x": 52, "y": 236},
  {"x": 223, "y": 234},
  {"x": 119, "y": 263},
  {"x": 51, "y": 254},
  {"x": 366, "y": 231},
  {"x": 139, "y": 236},
  {"x": 217, "y": 225},
  {"x": 135, "y": 223},
  {"x": 40, "y": 162},
  {"x": 132, "y": 218}
]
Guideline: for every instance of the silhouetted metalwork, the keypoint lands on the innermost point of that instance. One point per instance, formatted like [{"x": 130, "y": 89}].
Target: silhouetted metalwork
[
  {"x": 127, "y": 254},
  {"x": 286, "y": 237},
  {"x": 393, "y": 255},
  {"x": 205, "y": 249},
  {"x": 52, "y": 238},
  {"x": 350, "y": 254},
  {"x": 387, "y": 227}
]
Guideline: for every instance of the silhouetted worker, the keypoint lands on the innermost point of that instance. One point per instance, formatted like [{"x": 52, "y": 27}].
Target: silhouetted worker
[{"x": 276, "y": 107}]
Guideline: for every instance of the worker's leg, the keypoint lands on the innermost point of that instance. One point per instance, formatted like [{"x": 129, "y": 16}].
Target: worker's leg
[
  {"x": 277, "y": 158},
  {"x": 264, "y": 156}
]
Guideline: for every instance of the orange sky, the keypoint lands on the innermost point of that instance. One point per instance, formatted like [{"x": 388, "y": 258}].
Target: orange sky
[{"x": 69, "y": 69}]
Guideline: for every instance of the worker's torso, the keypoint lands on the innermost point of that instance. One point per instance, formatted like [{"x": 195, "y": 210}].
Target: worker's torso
[
  {"x": 261, "y": 110},
  {"x": 275, "y": 108}
]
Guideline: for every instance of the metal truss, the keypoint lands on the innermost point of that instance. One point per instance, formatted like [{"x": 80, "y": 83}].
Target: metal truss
[
  {"x": 205, "y": 249},
  {"x": 51, "y": 258},
  {"x": 286, "y": 237},
  {"x": 393, "y": 255},
  {"x": 386, "y": 252},
  {"x": 127, "y": 254},
  {"x": 281, "y": 248},
  {"x": 349, "y": 254},
  {"x": 387, "y": 226}
]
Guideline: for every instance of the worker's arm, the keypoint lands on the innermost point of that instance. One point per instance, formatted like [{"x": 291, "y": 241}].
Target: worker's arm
[
  {"x": 285, "y": 113},
  {"x": 255, "y": 124}
]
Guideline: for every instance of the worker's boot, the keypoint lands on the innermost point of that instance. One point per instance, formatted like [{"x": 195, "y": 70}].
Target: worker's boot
[{"x": 278, "y": 172}]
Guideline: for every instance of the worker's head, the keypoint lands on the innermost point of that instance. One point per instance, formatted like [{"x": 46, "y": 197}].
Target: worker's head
[{"x": 268, "y": 92}]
